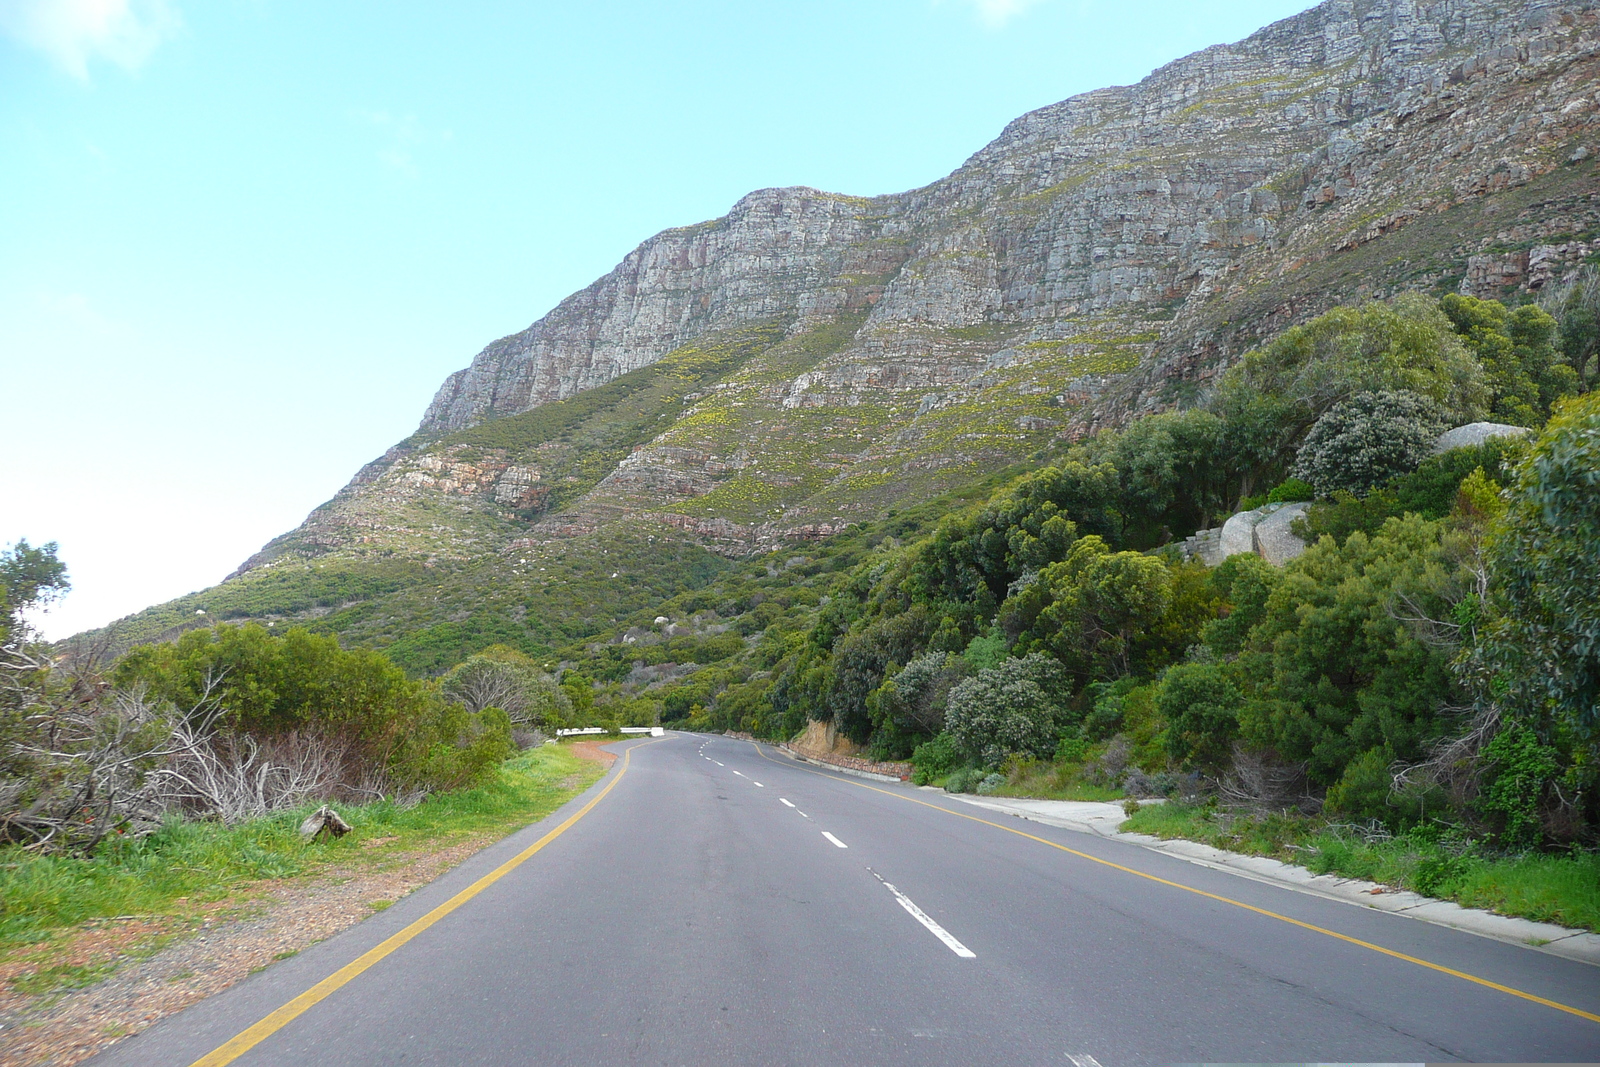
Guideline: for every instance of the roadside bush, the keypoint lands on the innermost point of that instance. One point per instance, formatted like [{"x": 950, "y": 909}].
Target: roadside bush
[
  {"x": 504, "y": 678},
  {"x": 391, "y": 731},
  {"x": 964, "y": 780},
  {"x": 1200, "y": 703},
  {"x": 1015, "y": 708},
  {"x": 914, "y": 700},
  {"x": 934, "y": 759}
]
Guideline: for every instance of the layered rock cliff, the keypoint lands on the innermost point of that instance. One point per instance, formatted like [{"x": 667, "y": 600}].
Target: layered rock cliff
[{"x": 811, "y": 359}]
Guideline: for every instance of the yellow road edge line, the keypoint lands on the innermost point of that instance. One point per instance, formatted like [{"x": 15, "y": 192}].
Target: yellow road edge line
[
  {"x": 1464, "y": 976},
  {"x": 253, "y": 1035}
]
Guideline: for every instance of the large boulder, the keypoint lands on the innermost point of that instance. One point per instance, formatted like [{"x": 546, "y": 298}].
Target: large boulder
[
  {"x": 1476, "y": 433},
  {"x": 1239, "y": 533},
  {"x": 1274, "y": 541}
]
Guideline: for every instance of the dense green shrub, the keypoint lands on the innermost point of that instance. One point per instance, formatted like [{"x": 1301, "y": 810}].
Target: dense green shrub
[
  {"x": 266, "y": 685},
  {"x": 504, "y": 678},
  {"x": 1292, "y": 491},
  {"x": 1200, "y": 703},
  {"x": 1331, "y": 670},
  {"x": 1429, "y": 491},
  {"x": 1015, "y": 708},
  {"x": 1406, "y": 344},
  {"x": 1545, "y": 561},
  {"x": 934, "y": 759},
  {"x": 1517, "y": 351},
  {"x": 1366, "y": 440}
]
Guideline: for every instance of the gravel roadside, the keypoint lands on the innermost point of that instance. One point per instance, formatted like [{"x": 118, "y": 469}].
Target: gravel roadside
[{"x": 161, "y": 965}]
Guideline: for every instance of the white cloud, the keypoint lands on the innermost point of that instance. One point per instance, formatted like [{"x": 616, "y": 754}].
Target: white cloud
[
  {"x": 994, "y": 14},
  {"x": 72, "y": 32},
  {"x": 404, "y": 135}
]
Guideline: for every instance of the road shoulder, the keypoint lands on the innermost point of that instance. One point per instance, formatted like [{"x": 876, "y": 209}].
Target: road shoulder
[{"x": 1102, "y": 820}]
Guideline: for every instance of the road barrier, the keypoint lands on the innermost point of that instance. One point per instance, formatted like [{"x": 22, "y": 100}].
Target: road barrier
[{"x": 585, "y": 731}]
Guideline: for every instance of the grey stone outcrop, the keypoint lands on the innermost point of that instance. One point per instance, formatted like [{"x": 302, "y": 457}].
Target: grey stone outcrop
[
  {"x": 1263, "y": 531},
  {"x": 1274, "y": 541},
  {"x": 1239, "y": 533},
  {"x": 1476, "y": 433}
]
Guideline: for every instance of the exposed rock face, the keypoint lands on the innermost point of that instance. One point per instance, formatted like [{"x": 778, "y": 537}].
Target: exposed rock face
[
  {"x": 792, "y": 254},
  {"x": 1239, "y": 533},
  {"x": 1331, "y": 130}
]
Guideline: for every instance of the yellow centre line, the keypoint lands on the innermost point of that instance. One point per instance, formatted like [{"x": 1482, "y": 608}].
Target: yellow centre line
[
  {"x": 1464, "y": 976},
  {"x": 252, "y": 1036}
]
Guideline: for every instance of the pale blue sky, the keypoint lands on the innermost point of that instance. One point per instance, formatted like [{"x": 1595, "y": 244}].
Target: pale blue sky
[{"x": 243, "y": 241}]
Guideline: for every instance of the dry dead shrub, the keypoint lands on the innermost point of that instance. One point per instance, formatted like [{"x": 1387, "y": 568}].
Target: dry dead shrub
[{"x": 1261, "y": 782}]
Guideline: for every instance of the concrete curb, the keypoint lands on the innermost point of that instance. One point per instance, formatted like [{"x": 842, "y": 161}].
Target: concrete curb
[{"x": 1579, "y": 945}]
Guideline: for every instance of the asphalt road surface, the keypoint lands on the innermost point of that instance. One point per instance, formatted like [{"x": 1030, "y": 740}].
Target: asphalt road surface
[{"x": 722, "y": 904}]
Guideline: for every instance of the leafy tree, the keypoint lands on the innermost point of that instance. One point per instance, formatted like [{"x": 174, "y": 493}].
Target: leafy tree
[
  {"x": 860, "y": 661},
  {"x": 1259, "y": 431},
  {"x": 1576, "y": 307},
  {"x": 914, "y": 700},
  {"x": 1176, "y": 473},
  {"x": 1518, "y": 354},
  {"x": 1406, "y": 344},
  {"x": 1092, "y": 608},
  {"x": 1200, "y": 703},
  {"x": 1542, "y": 652},
  {"x": 1364, "y": 441},
  {"x": 29, "y": 577},
  {"x": 579, "y": 691},
  {"x": 1332, "y": 669},
  {"x": 1015, "y": 708},
  {"x": 504, "y": 678}
]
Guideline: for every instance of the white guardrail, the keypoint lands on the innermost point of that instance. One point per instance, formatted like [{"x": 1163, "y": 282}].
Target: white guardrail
[{"x": 653, "y": 731}]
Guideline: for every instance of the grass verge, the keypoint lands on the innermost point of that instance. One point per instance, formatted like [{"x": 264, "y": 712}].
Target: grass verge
[
  {"x": 1436, "y": 862},
  {"x": 186, "y": 869}
]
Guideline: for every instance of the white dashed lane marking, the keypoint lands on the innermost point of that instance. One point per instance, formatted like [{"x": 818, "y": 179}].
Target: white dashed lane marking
[
  {"x": 938, "y": 931},
  {"x": 785, "y": 802},
  {"x": 757, "y": 784},
  {"x": 835, "y": 840},
  {"x": 741, "y": 774}
]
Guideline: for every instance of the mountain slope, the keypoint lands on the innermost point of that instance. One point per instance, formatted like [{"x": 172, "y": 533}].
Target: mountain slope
[{"x": 812, "y": 360}]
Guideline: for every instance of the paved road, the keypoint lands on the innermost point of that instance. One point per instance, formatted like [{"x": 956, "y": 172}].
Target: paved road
[{"x": 724, "y": 905}]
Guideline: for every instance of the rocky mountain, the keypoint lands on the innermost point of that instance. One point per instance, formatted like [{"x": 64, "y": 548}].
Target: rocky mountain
[{"x": 812, "y": 359}]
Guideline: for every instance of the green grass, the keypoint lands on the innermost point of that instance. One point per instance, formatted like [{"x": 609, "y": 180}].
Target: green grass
[
  {"x": 1564, "y": 890},
  {"x": 176, "y": 872},
  {"x": 1053, "y": 781}
]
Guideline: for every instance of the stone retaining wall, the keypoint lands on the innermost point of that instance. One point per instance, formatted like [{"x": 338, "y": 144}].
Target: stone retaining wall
[{"x": 897, "y": 769}]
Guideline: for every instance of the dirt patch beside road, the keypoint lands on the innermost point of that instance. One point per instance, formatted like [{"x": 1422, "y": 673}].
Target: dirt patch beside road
[{"x": 163, "y": 967}]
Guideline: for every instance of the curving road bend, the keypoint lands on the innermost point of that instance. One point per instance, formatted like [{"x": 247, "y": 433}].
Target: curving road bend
[{"x": 723, "y": 904}]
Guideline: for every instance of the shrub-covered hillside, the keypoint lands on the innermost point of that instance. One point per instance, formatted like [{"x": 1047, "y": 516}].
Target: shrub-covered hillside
[{"x": 1411, "y": 661}]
